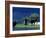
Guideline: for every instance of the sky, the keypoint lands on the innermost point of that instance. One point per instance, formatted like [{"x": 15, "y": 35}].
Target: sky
[{"x": 20, "y": 12}]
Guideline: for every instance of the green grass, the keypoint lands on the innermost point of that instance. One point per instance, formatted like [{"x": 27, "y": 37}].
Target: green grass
[{"x": 28, "y": 26}]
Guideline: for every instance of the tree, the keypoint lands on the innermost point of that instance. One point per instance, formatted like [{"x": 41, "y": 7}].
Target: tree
[
  {"x": 14, "y": 23},
  {"x": 33, "y": 18}
]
